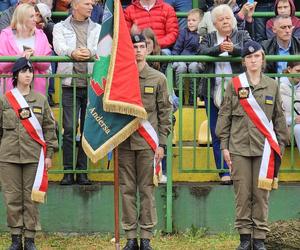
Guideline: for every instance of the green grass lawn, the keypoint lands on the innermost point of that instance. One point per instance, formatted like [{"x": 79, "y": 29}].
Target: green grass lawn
[{"x": 186, "y": 241}]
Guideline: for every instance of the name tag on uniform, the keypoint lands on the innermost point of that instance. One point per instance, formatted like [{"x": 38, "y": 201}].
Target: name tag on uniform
[
  {"x": 148, "y": 89},
  {"x": 243, "y": 93},
  {"x": 24, "y": 113},
  {"x": 37, "y": 110},
  {"x": 269, "y": 100}
]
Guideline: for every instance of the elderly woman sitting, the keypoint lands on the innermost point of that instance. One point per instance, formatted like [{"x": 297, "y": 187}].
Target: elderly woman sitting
[{"x": 225, "y": 41}]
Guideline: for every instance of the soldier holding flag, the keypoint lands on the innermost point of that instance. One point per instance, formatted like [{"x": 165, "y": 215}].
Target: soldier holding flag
[{"x": 142, "y": 150}]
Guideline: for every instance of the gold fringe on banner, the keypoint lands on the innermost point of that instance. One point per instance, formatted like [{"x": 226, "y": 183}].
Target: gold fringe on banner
[
  {"x": 38, "y": 196},
  {"x": 117, "y": 106},
  {"x": 127, "y": 109},
  {"x": 125, "y": 132}
]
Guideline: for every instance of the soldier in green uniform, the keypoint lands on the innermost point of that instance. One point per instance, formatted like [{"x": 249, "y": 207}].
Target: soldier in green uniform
[
  {"x": 20, "y": 154},
  {"x": 253, "y": 134},
  {"x": 136, "y": 156}
]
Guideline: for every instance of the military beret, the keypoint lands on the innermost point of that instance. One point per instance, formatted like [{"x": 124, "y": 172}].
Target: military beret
[
  {"x": 21, "y": 63},
  {"x": 138, "y": 38},
  {"x": 250, "y": 47}
]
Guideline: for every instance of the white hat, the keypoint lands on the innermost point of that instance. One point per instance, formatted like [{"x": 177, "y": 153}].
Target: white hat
[{"x": 44, "y": 11}]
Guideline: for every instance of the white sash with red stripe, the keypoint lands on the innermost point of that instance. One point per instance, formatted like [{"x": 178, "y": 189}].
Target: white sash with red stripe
[
  {"x": 149, "y": 134},
  {"x": 267, "y": 174},
  {"x": 34, "y": 129}
]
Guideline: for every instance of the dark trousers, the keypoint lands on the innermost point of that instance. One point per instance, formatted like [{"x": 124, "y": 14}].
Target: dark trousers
[
  {"x": 73, "y": 109},
  {"x": 215, "y": 140}
]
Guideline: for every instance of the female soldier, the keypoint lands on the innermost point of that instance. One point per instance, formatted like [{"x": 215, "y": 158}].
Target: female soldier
[
  {"x": 253, "y": 134},
  {"x": 27, "y": 143}
]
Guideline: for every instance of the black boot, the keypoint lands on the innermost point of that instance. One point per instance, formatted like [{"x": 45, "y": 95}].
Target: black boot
[
  {"x": 67, "y": 180},
  {"x": 259, "y": 244},
  {"x": 82, "y": 179},
  {"x": 145, "y": 244},
  {"x": 29, "y": 244},
  {"x": 16, "y": 242},
  {"x": 245, "y": 242},
  {"x": 131, "y": 244}
]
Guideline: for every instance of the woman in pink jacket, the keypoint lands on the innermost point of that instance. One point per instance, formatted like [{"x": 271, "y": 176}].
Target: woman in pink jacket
[{"x": 22, "y": 38}]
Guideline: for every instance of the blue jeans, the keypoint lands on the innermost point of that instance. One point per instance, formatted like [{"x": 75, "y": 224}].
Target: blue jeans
[
  {"x": 181, "y": 6},
  {"x": 68, "y": 125},
  {"x": 260, "y": 23},
  {"x": 215, "y": 140}
]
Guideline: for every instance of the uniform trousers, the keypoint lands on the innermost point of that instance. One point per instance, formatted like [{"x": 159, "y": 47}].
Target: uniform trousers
[
  {"x": 22, "y": 213},
  {"x": 136, "y": 175},
  {"x": 251, "y": 202}
]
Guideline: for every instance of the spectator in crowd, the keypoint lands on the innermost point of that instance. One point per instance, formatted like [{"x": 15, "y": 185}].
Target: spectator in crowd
[
  {"x": 243, "y": 16},
  {"x": 260, "y": 23},
  {"x": 76, "y": 37},
  {"x": 6, "y": 16},
  {"x": 4, "y": 5},
  {"x": 136, "y": 156},
  {"x": 284, "y": 7},
  {"x": 290, "y": 94},
  {"x": 43, "y": 21},
  {"x": 22, "y": 38},
  {"x": 181, "y": 6},
  {"x": 283, "y": 43},
  {"x": 22, "y": 162},
  {"x": 153, "y": 47},
  {"x": 225, "y": 41},
  {"x": 158, "y": 16},
  {"x": 188, "y": 44},
  {"x": 251, "y": 124}
]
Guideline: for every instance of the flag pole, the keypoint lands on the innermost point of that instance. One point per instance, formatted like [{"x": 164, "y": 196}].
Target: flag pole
[{"x": 116, "y": 198}]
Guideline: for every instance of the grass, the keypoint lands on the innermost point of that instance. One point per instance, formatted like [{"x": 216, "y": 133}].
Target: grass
[{"x": 190, "y": 240}]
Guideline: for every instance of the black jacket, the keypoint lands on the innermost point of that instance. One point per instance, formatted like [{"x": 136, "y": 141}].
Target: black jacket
[
  {"x": 271, "y": 47},
  {"x": 208, "y": 48}
]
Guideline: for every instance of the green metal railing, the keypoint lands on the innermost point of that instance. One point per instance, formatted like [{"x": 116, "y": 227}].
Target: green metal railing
[
  {"x": 100, "y": 167},
  {"x": 210, "y": 168},
  {"x": 63, "y": 14}
]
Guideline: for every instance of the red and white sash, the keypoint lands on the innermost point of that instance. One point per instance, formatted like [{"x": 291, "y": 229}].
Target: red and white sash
[
  {"x": 149, "y": 134},
  {"x": 34, "y": 129},
  {"x": 268, "y": 171}
]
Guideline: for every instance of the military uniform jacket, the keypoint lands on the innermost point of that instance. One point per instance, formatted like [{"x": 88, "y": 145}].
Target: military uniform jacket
[
  {"x": 16, "y": 145},
  {"x": 155, "y": 97},
  {"x": 236, "y": 130}
]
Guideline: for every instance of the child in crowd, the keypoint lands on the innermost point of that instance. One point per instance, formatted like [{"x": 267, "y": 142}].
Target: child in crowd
[
  {"x": 289, "y": 87},
  {"x": 188, "y": 44}
]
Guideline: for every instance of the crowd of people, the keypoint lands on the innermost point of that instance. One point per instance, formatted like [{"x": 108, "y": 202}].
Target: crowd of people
[{"x": 217, "y": 28}]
